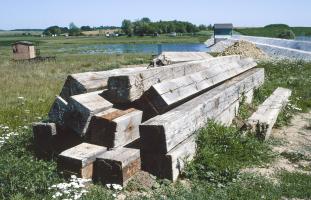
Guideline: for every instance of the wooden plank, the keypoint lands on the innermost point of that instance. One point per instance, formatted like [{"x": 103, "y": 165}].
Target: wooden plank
[
  {"x": 167, "y": 94},
  {"x": 79, "y": 159},
  {"x": 169, "y": 58},
  {"x": 114, "y": 127},
  {"x": 117, "y": 166},
  {"x": 50, "y": 139},
  {"x": 263, "y": 120},
  {"x": 163, "y": 132},
  {"x": 44, "y": 134},
  {"x": 169, "y": 166},
  {"x": 57, "y": 111},
  {"x": 227, "y": 116},
  {"x": 81, "y": 108},
  {"x": 91, "y": 81},
  {"x": 128, "y": 88}
]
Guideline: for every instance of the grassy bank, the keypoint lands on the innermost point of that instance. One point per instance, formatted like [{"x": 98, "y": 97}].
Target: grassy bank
[
  {"x": 85, "y": 40},
  {"x": 274, "y": 31}
]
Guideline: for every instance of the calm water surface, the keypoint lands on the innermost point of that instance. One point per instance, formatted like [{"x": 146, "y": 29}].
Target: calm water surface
[{"x": 136, "y": 48}]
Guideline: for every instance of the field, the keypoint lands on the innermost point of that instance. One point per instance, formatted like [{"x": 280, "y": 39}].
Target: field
[
  {"x": 273, "y": 31},
  {"x": 28, "y": 89},
  {"x": 19, "y": 33}
]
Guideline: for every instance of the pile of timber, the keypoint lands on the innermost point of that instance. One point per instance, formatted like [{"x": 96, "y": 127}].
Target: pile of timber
[{"x": 109, "y": 125}]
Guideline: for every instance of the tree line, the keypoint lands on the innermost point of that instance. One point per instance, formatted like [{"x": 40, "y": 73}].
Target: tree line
[
  {"x": 145, "y": 26},
  {"x": 140, "y": 27},
  {"x": 73, "y": 30}
]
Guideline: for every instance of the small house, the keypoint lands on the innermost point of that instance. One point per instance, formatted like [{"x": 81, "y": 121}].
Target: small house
[
  {"x": 222, "y": 32},
  {"x": 23, "y": 50}
]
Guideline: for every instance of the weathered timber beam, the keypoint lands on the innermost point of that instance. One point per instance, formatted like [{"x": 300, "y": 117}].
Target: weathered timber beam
[
  {"x": 163, "y": 132},
  {"x": 117, "y": 166},
  {"x": 91, "y": 81},
  {"x": 79, "y": 159},
  {"x": 168, "y": 58},
  {"x": 57, "y": 111},
  {"x": 81, "y": 108},
  {"x": 170, "y": 165},
  {"x": 128, "y": 88},
  {"x": 263, "y": 120},
  {"x": 114, "y": 128}
]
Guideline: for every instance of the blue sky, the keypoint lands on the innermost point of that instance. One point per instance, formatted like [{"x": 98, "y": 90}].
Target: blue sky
[{"x": 42, "y": 13}]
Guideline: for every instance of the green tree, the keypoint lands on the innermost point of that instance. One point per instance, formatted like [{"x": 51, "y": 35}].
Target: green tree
[
  {"x": 287, "y": 34},
  {"x": 127, "y": 27},
  {"x": 74, "y": 30},
  {"x": 86, "y": 28}
]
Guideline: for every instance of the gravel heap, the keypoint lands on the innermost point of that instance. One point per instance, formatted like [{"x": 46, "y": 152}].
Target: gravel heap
[{"x": 244, "y": 49}]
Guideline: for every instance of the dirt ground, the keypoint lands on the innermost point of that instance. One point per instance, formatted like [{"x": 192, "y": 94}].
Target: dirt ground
[{"x": 292, "y": 144}]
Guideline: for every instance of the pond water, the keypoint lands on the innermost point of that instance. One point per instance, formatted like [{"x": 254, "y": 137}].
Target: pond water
[{"x": 137, "y": 48}]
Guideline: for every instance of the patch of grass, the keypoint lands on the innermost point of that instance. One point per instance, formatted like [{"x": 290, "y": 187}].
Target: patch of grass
[
  {"x": 223, "y": 151},
  {"x": 22, "y": 176},
  {"x": 245, "y": 110},
  {"x": 245, "y": 187},
  {"x": 295, "y": 185},
  {"x": 294, "y": 157},
  {"x": 98, "y": 192}
]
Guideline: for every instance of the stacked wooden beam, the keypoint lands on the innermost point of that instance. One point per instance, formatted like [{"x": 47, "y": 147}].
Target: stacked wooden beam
[
  {"x": 105, "y": 111},
  {"x": 126, "y": 88},
  {"x": 163, "y": 133}
]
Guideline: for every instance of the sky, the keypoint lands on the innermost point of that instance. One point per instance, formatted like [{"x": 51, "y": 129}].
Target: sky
[{"x": 246, "y": 13}]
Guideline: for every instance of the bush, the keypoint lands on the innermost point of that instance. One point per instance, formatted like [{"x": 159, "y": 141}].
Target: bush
[{"x": 287, "y": 34}]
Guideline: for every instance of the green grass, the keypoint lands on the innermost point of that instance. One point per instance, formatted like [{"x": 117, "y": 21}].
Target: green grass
[
  {"x": 223, "y": 151},
  {"x": 274, "y": 31}
]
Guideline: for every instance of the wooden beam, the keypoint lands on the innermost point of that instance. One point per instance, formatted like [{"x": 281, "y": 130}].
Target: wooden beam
[
  {"x": 91, "y": 81},
  {"x": 117, "y": 166},
  {"x": 58, "y": 110},
  {"x": 169, "y": 58},
  {"x": 170, "y": 165},
  {"x": 81, "y": 108},
  {"x": 128, "y": 88},
  {"x": 168, "y": 94},
  {"x": 163, "y": 132},
  {"x": 114, "y": 128},
  {"x": 44, "y": 134},
  {"x": 227, "y": 116},
  {"x": 79, "y": 159},
  {"x": 263, "y": 120}
]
